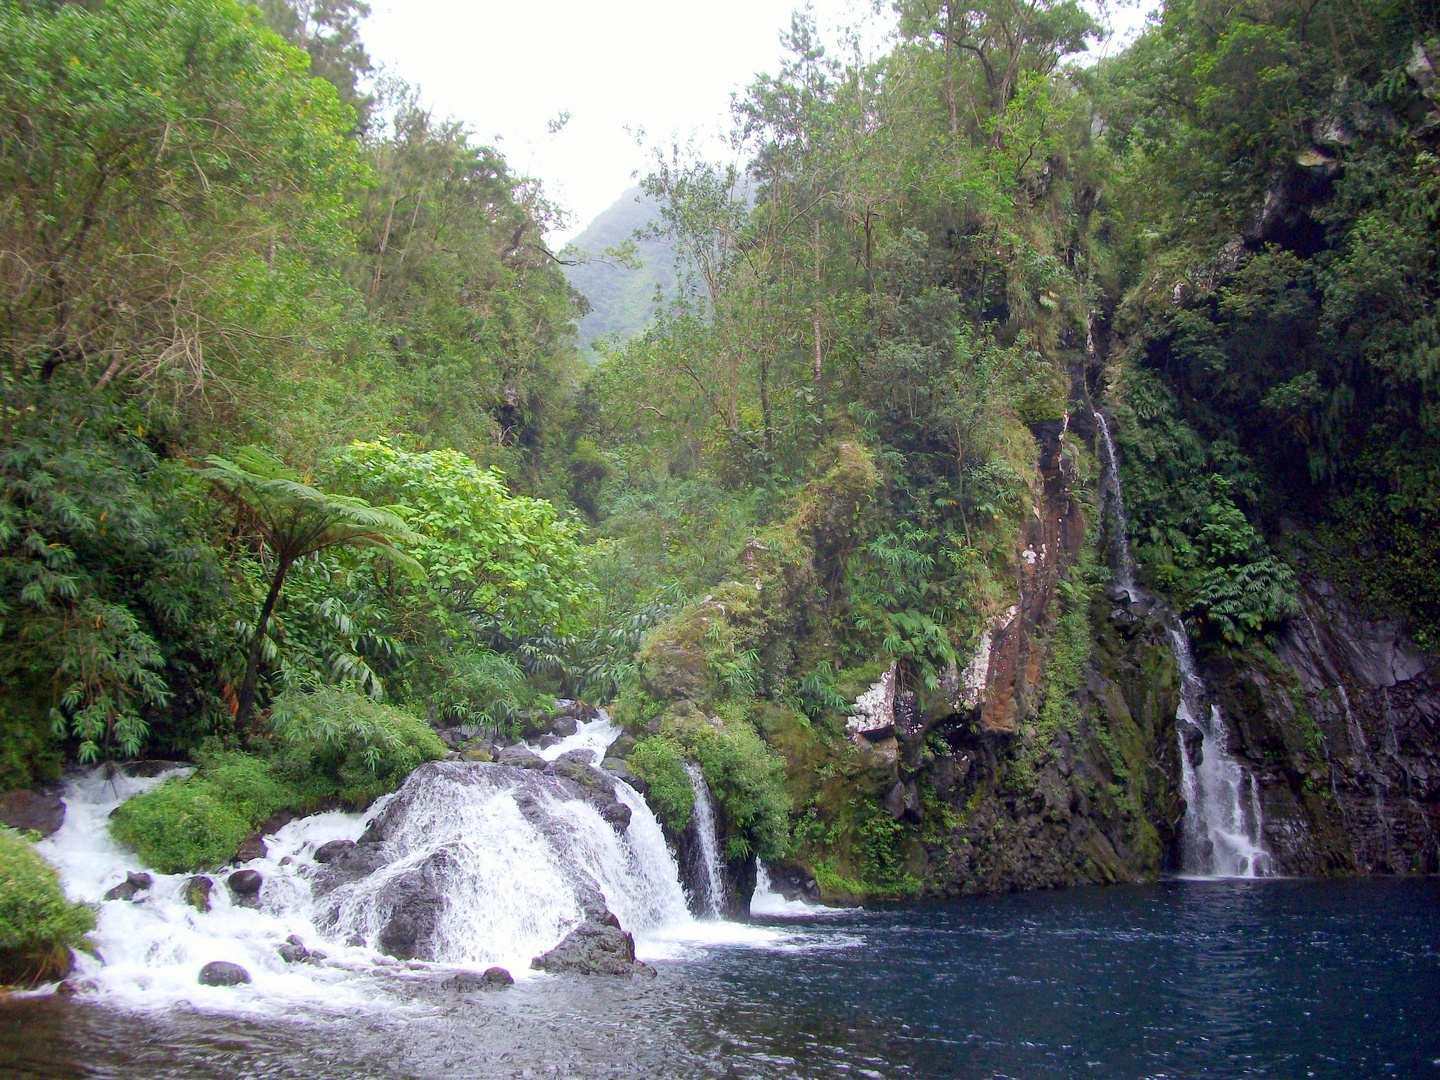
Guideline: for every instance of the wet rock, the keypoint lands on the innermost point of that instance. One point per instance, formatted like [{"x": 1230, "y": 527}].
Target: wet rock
[
  {"x": 276, "y": 821},
  {"x": 547, "y": 741},
  {"x": 794, "y": 882},
  {"x": 197, "y": 892},
  {"x": 153, "y": 767},
  {"x": 223, "y": 973},
  {"x": 521, "y": 757},
  {"x": 130, "y": 887},
  {"x": 621, "y": 747},
  {"x": 476, "y": 752},
  {"x": 467, "y": 982},
  {"x": 621, "y": 770},
  {"x": 332, "y": 850},
  {"x": 579, "y": 710},
  {"x": 412, "y": 904},
  {"x": 244, "y": 886},
  {"x": 580, "y": 772},
  {"x": 564, "y": 725},
  {"x": 32, "y": 811},
  {"x": 293, "y": 951},
  {"x": 596, "y": 787},
  {"x": 582, "y": 757},
  {"x": 252, "y": 847},
  {"x": 593, "y": 948},
  {"x": 903, "y": 801}
]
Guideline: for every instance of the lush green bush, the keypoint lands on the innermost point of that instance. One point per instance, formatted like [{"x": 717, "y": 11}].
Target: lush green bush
[
  {"x": 356, "y": 748},
  {"x": 198, "y": 821},
  {"x": 38, "y": 926},
  {"x": 660, "y": 763},
  {"x": 331, "y": 745}
]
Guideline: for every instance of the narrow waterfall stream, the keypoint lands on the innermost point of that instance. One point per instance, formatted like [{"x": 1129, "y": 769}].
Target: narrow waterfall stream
[
  {"x": 711, "y": 876},
  {"x": 1224, "y": 826},
  {"x": 469, "y": 864}
]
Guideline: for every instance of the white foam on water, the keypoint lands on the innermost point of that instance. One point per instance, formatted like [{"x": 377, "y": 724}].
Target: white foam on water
[
  {"x": 594, "y": 735},
  {"x": 766, "y": 901},
  {"x": 149, "y": 952},
  {"x": 512, "y": 878}
]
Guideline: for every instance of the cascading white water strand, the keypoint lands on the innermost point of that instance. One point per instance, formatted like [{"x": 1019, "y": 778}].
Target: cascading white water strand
[
  {"x": 1224, "y": 825},
  {"x": 1113, "y": 497},
  {"x": 712, "y": 876}
]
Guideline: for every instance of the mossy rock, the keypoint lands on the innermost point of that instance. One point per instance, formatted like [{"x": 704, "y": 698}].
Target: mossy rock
[{"x": 39, "y": 928}]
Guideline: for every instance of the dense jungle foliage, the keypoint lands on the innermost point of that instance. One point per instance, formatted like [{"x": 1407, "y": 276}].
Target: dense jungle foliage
[{"x": 299, "y": 457}]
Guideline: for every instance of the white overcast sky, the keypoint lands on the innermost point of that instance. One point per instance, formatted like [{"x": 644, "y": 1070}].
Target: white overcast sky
[{"x": 665, "y": 67}]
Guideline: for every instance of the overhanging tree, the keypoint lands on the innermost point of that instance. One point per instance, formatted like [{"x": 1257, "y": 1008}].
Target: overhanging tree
[{"x": 292, "y": 520}]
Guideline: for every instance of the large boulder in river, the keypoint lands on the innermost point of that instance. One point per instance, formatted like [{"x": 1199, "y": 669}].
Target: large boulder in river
[
  {"x": 411, "y": 905},
  {"x": 32, "y": 811},
  {"x": 244, "y": 886},
  {"x": 593, "y": 948},
  {"x": 223, "y": 973}
]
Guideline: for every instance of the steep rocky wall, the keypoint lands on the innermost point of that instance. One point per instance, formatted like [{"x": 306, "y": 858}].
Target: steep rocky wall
[
  {"x": 1002, "y": 795},
  {"x": 1342, "y": 725}
]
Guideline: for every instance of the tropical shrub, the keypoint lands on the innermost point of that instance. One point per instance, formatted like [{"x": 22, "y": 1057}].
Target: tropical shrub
[
  {"x": 659, "y": 762},
  {"x": 38, "y": 926},
  {"x": 347, "y": 745}
]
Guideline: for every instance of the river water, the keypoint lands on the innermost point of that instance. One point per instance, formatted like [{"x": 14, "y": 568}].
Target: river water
[{"x": 1184, "y": 979}]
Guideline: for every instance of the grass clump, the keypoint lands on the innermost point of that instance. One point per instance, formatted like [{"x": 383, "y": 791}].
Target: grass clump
[
  {"x": 198, "y": 821},
  {"x": 660, "y": 763},
  {"x": 38, "y": 926},
  {"x": 330, "y": 746}
]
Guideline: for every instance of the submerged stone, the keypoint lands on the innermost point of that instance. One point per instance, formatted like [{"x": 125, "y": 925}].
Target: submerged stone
[{"x": 223, "y": 973}]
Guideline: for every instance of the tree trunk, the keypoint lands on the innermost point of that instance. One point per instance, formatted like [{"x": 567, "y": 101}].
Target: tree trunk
[
  {"x": 815, "y": 310},
  {"x": 246, "y": 708}
]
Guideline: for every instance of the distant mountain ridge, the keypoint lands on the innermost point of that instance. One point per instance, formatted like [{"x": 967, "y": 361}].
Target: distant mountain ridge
[{"x": 623, "y": 301}]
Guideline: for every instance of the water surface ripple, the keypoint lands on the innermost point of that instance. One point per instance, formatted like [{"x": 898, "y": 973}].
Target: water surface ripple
[{"x": 1184, "y": 979}]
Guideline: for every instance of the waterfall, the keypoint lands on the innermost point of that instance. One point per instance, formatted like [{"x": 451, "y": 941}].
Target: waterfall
[
  {"x": 1112, "y": 498},
  {"x": 769, "y": 902},
  {"x": 1224, "y": 825},
  {"x": 468, "y": 864},
  {"x": 1223, "y": 822},
  {"x": 711, "y": 876}
]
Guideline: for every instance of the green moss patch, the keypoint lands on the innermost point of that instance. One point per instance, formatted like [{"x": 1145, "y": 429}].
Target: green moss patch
[
  {"x": 331, "y": 747},
  {"x": 38, "y": 926}
]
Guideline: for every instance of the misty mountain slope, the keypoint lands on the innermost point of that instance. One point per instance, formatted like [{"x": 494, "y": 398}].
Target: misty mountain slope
[{"x": 622, "y": 300}]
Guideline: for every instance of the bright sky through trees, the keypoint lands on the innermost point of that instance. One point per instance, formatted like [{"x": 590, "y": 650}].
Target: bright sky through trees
[{"x": 508, "y": 69}]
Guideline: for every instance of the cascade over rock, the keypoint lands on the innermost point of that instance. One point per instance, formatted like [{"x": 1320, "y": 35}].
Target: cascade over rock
[{"x": 470, "y": 853}]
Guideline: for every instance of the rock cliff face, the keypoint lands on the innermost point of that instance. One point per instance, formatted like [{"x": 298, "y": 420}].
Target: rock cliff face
[
  {"x": 1001, "y": 797},
  {"x": 1344, "y": 732},
  {"x": 1053, "y": 758},
  {"x": 1339, "y": 724}
]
